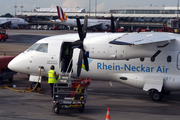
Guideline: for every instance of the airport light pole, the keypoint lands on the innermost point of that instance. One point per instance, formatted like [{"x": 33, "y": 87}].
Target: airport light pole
[
  {"x": 15, "y": 8},
  {"x": 95, "y": 7},
  {"x": 177, "y": 8},
  {"x": 21, "y": 8},
  {"x": 178, "y": 13},
  {"x": 89, "y": 7}
]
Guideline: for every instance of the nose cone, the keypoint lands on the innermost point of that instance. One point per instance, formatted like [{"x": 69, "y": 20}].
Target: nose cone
[
  {"x": 13, "y": 65},
  {"x": 17, "y": 64}
]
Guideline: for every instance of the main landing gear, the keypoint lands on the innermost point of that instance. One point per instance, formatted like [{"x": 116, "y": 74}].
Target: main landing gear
[{"x": 155, "y": 95}]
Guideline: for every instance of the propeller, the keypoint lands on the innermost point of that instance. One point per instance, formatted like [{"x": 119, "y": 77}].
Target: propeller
[
  {"x": 79, "y": 44},
  {"x": 117, "y": 25},
  {"x": 114, "y": 28}
]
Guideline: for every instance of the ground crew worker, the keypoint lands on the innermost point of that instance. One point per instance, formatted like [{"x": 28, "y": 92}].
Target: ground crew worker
[{"x": 52, "y": 78}]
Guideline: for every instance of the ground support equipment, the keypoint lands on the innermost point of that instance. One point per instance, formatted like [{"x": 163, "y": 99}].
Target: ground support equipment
[{"x": 70, "y": 94}]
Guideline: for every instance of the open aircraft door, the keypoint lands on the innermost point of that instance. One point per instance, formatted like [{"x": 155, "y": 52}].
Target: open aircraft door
[
  {"x": 178, "y": 61},
  {"x": 53, "y": 55}
]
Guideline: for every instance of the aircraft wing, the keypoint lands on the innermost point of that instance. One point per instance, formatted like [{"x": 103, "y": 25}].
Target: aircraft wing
[
  {"x": 5, "y": 23},
  {"x": 139, "y": 39},
  {"x": 94, "y": 24}
]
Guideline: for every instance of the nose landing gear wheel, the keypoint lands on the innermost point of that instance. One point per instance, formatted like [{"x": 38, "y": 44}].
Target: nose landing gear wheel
[
  {"x": 155, "y": 95},
  {"x": 33, "y": 84}
]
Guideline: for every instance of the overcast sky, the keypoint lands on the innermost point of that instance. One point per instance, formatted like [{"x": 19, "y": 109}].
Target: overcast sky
[{"x": 7, "y": 6}]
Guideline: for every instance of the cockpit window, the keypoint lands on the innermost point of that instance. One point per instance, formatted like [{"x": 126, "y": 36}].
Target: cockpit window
[
  {"x": 43, "y": 47},
  {"x": 34, "y": 46}
]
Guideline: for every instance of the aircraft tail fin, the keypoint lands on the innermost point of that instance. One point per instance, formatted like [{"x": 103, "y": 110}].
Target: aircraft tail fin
[{"x": 61, "y": 15}]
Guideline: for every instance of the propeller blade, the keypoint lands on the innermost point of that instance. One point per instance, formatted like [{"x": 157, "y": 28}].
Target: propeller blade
[
  {"x": 79, "y": 63},
  {"x": 77, "y": 44},
  {"x": 117, "y": 25},
  {"x": 85, "y": 26},
  {"x": 112, "y": 24},
  {"x": 81, "y": 36},
  {"x": 86, "y": 62}
]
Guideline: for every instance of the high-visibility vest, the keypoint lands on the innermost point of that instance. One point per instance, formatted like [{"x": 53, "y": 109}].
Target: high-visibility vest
[{"x": 51, "y": 77}]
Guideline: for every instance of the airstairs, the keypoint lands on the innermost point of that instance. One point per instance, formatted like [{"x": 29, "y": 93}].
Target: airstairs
[{"x": 69, "y": 92}]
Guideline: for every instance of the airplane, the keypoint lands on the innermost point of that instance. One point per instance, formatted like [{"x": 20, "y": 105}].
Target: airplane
[
  {"x": 92, "y": 23},
  {"x": 147, "y": 60},
  {"x": 12, "y": 22}
]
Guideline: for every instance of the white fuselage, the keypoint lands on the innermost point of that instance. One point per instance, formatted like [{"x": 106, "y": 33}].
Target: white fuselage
[
  {"x": 132, "y": 71},
  {"x": 91, "y": 22},
  {"x": 13, "y": 21}
]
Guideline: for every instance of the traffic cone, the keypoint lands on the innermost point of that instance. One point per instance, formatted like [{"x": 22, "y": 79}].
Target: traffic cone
[{"x": 108, "y": 115}]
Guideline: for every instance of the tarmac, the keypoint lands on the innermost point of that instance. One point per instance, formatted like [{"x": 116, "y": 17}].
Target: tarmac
[{"x": 125, "y": 103}]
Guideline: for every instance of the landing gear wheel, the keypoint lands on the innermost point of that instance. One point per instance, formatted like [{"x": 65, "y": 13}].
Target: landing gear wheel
[
  {"x": 81, "y": 109},
  {"x": 56, "y": 109},
  {"x": 33, "y": 84},
  {"x": 156, "y": 96}
]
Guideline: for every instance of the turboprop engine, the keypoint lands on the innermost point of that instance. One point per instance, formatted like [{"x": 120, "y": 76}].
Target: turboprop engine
[{"x": 101, "y": 48}]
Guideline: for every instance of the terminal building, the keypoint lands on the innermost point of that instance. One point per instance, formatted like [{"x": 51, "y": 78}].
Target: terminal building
[{"x": 131, "y": 17}]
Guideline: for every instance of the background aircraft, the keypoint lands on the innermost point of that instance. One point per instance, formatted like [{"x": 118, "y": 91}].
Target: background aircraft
[
  {"x": 92, "y": 23},
  {"x": 148, "y": 60},
  {"x": 12, "y": 22}
]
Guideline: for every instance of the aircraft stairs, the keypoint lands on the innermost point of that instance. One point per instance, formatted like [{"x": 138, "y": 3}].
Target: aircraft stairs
[
  {"x": 65, "y": 77},
  {"x": 70, "y": 92}
]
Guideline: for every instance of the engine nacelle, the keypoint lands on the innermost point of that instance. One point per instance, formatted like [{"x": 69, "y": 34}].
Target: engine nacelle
[
  {"x": 100, "y": 48},
  {"x": 13, "y": 26},
  {"x": 103, "y": 27}
]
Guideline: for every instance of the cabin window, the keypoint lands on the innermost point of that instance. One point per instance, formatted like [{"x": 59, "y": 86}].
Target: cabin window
[
  {"x": 141, "y": 59},
  {"x": 43, "y": 47},
  {"x": 34, "y": 46},
  {"x": 169, "y": 59},
  {"x": 152, "y": 59}
]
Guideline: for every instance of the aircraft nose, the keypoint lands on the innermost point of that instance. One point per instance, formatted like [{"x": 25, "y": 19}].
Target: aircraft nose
[
  {"x": 13, "y": 65},
  {"x": 16, "y": 64}
]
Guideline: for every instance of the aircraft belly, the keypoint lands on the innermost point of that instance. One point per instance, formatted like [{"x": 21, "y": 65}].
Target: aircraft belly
[{"x": 171, "y": 83}]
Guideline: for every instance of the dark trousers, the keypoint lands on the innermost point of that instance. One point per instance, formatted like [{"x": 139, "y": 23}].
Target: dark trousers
[{"x": 52, "y": 85}]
